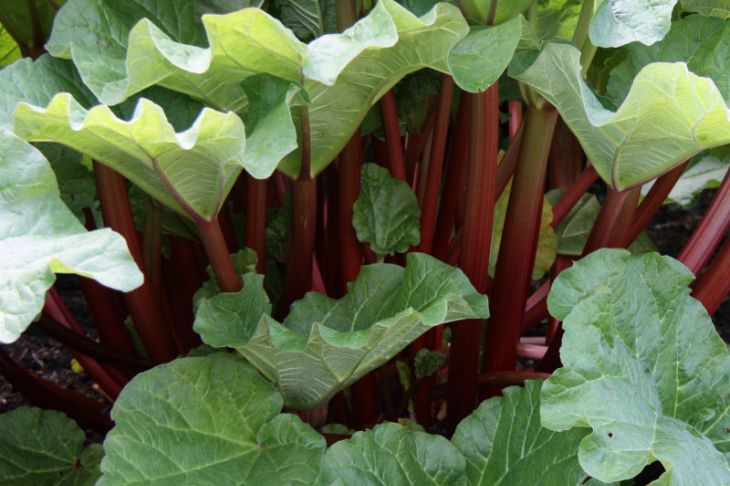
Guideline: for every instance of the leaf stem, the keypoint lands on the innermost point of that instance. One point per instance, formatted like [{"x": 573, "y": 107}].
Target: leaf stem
[
  {"x": 142, "y": 303},
  {"x": 519, "y": 241},
  {"x": 584, "y": 22},
  {"x": 712, "y": 287},
  {"x": 475, "y": 247},
  {"x": 708, "y": 234},
  {"x": 576, "y": 190},
  {"x": 614, "y": 219},
  {"x": 392, "y": 136}
]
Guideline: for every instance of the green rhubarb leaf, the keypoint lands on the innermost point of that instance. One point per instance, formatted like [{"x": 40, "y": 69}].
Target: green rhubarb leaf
[
  {"x": 480, "y": 58},
  {"x": 714, "y": 8},
  {"x": 75, "y": 180},
  {"x": 701, "y": 42},
  {"x": 556, "y": 19},
  {"x": 668, "y": 116},
  {"x": 308, "y": 18},
  {"x": 392, "y": 454},
  {"x": 9, "y": 50},
  {"x": 45, "y": 447},
  {"x": 427, "y": 362},
  {"x": 573, "y": 232},
  {"x": 644, "y": 368},
  {"x": 706, "y": 171},
  {"x": 346, "y": 74},
  {"x": 504, "y": 443},
  {"x": 619, "y": 22},
  {"x": 244, "y": 261},
  {"x": 386, "y": 214},
  {"x": 325, "y": 345},
  {"x": 37, "y": 83},
  {"x": 40, "y": 236},
  {"x": 121, "y": 48},
  {"x": 546, "y": 244},
  {"x": 201, "y": 163},
  {"x": 412, "y": 95},
  {"x": 206, "y": 421}
]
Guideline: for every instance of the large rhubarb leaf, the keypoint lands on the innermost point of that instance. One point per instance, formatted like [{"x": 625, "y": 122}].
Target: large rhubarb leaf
[
  {"x": 45, "y": 447},
  {"x": 200, "y": 164},
  {"x": 701, "y": 42},
  {"x": 346, "y": 74},
  {"x": 477, "y": 10},
  {"x": 308, "y": 18},
  {"x": 119, "y": 54},
  {"x": 386, "y": 214},
  {"x": 37, "y": 82},
  {"x": 325, "y": 345},
  {"x": 208, "y": 420},
  {"x": 619, "y": 22},
  {"x": 644, "y": 368},
  {"x": 392, "y": 454},
  {"x": 40, "y": 236},
  {"x": 504, "y": 443},
  {"x": 668, "y": 116}
]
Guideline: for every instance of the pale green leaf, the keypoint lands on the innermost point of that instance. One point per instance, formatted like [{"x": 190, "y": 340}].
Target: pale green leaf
[
  {"x": 574, "y": 230},
  {"x": 119, "y": 54},
  {"x": 556, "y": 19},
  {"x": 480, "y": 58},
  {"x": 546, "y": 244},
  {"x": 391, "y": 454},
  {"x": 391, "y": 42},
  {"x": 40, "y": 236},
  {"x": 668, "y": 116},
  {"x": 45, "y": 447},
  {"x": 644, "y": 368},
  {"x": 244, "y": 261},
  {"x": 325, "y": 345},
  {"x": 75, "y": 180},
  {"x": 714, "y": 8},
  {"x": 386, "y": 214},
  {"x": 9, "y": 50},
  {"x": 207, "y": 421},
  {"x": 619, "y": 22},
  {"x": 701, "y": 42},
  {"x": 706, "y": 171},
  {"x": 201, "y": 163},
  {"x": 37, "y": 83},
  {"x": 504, "y": 443}
]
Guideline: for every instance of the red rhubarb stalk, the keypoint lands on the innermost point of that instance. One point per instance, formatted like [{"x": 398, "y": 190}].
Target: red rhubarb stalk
[
  {"x": 712, "y": 287},
  {"x": 396, "y": 160},
  {"x": 475, "y": 247},
  {"x": 519, "y": 241},
  {"x": 614, "y": 219}
]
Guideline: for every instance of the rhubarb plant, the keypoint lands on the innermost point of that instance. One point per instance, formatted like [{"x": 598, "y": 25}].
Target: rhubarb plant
[{"x": 295, "y": 219}]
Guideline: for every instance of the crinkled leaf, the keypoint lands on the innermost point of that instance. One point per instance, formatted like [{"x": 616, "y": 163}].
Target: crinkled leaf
[
  {"x": 201, "y": 163},
  {"x": 668, "y": 116},
  {"x": 504, "y": 443},
  {"x": 325, "y": 345},
  {"x": 40, "y": 236},
  {"x": 427, "y": 362},
  {"x": 308, "y": 18},
  {"x": 619, "y": 22},
  {"x": 391, "y": 43},
  {"x": 701, "y": 42},
  {"x": 45, "y": 447},
  {"x": 714, "y": 8},
  {"x": 209, "y": 420},
  {"x": 386, "y": 214},
  {"x": 411, "y": 96},
  {"x": 705, "y": 171},
  {"x": 244, "y": 261},
  {"x": 546, "y": 244},
  {"x": 119, "y": 54},
  {"x": 392, "y": 454},
  {"x": 9, "y": 50},
  {"x": 37, "y": 83},
  {"x": 480, "y": 58},
  {"x": 644, "y": 368}
]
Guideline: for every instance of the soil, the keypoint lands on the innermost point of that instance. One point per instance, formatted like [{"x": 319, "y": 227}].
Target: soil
[{"x": 669, "y": 230}]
